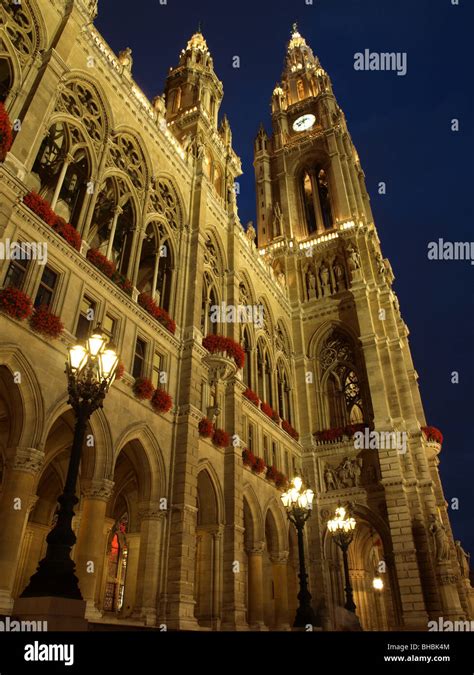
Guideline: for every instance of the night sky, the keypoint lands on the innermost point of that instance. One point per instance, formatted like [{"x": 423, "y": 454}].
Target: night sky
[{"x": 401, "y": 127}]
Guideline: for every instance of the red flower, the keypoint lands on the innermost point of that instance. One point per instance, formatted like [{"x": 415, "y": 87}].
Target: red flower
[
  {"x": 271, "y": 473},
  {"x": 67, "y": 232},
  {"x": 143, "y": 388},
  {"x": 120, "y": 371},
  {"x": 259, "y": 465},
  {"x": 44, "y": 322},
  {"x": 351, "y": 429},
  {"x": 161, "y": 401},
  {"x": 248, "y": 457},
  {"x": 161, "y": 315},
  {"x": 6, "y": 137},
  {"x": 101, "y": 262},
  {"x": 15, "y": 303},
  {"x": 433, "y": 434},
  {"x": 206, "y": 428},
  {"x": 252, "y": 396},
  {"x": 281, "y": 481},
  {"x": 267, "y": 409},
  {"x": 219, "y": 343},
  {"x": 220, "y": 438},
  {"x": 41, "y": 207},
  {"x": 123, "y": 283},
  {"x": 330, "y": 434},
  {"x": 286, "y": 426}
]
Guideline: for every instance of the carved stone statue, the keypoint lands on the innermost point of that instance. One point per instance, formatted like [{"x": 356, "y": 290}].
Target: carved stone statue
[
  {"x": 324, "y": 274},
  {"x": 339, "y": 276},
  {"x": 125, "y": 59},
  {"x": 353, "y": 259},
  {"x": 380, "y": 264},
  {"x": 330, "y": 479},
  {"x": 311, "y": 283},
  {"x": 159, "y": 105},
  {"x": 250, "y": 232},
  {"x": 441, "y": 541},
  {"x": 463, "y": 559}
]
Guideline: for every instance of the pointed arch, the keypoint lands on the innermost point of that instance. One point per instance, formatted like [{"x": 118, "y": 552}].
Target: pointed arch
[
  {"x": 258, "y": 523},
  {"x": 29, "y": 425},
  {"x": 205, "y": 465}
]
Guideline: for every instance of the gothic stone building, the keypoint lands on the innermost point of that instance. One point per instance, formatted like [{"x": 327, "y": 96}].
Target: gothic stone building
[{"x": 172, "y": 528}]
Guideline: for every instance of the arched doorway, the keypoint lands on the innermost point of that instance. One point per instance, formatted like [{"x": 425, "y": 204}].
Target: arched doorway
[{"x": 208, "y": 558}]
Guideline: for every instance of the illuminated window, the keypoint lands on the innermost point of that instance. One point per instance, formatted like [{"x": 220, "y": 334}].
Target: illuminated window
[
  {"x": 139, "y": 358},
  {"x": 86, "y": 317},
  {"x": 109, "y": 326}
]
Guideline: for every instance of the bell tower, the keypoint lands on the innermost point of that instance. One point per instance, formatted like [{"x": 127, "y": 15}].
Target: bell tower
[{"x": 308, "y": 174}]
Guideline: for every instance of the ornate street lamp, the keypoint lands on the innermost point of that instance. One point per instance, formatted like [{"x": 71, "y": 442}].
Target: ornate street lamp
[
  {"x": 298, "y": 505},
  {"x": 90, "y": 371},
  {"x": 342, "y": 528}
]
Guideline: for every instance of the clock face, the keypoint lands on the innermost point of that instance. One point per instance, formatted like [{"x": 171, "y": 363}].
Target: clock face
[{"x": 304, "y": 122}]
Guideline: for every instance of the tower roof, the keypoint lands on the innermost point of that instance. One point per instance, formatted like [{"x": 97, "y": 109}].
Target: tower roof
[{"x": 197, "y": 41}]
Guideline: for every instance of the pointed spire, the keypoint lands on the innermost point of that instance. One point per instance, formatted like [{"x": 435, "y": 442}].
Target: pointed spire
[{"x": 199, "y": 28}]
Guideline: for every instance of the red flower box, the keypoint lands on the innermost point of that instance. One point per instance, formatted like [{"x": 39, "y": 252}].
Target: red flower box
[
  {"x": 102, "y": 263},
  {"x": 268, "y": 410},
  {"x": 220, "y": 438},
  {"x": 120, "y": 371},
  {"x": 281, "y": 481},
  {"x": 15, "y": 303},
  {"x": 143, "y": 388},
  {"x": 351, "y": 429},
  {"x": 272, "y": 473},
  {"x": 433, "y": 434},
  {"x": 259, "y": 465},
  {"x": 6, "y": 137},
  {"x": 330, "y": 434},
  {"x": 248, "y": 457},
  {"x": 219, "y": 343},
  {"x": 205, "y": 427},
  {"x": 44, "y": 322},
  {"x": 286, "y": 426},
  {"x": 161, "y": 315},
  {"x": 252, "y": 396},
  {"x": 67, "y": 232},
  {"x": 161, "y": 401},
  {"x": 41, "y": 207}
]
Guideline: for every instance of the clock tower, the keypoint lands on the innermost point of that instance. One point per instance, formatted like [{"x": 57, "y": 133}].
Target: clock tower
[{"x": 309, "y": 179}]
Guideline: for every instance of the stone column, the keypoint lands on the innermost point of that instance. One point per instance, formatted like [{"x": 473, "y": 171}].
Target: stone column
[
  {"x": 22, "y": 467},
  {"x": 117, "y": 213},
  {"x": 280, "y": 580},
  {"x": 90, "y": 541},
  {"x": 152, "y": 520},
  {"x": 340, "y": 204},
  {"x": 217, "y": 535},
  {"x": 133, "y": 553},
  {"x": 62, "y": 175},
  {"x": 255, "y": 586}
]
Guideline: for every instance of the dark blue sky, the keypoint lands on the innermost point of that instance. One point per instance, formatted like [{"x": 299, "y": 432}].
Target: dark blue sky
[{"x": 401, "y": 127}]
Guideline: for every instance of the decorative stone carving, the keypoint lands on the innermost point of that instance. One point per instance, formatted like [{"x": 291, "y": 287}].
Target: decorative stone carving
[
  {"x": 98, "y": 489},
  {"x": 382, "y": 270},
  {"x": 159, "y": 105},
  {"x": 79, "y": 99},
  {"x": 250, "y": 232},
  {"x": 463, "y": 559},
  {"x": 440, "y": 537},
  {"x": 256, "y": 548},
  {"x": 280, "y": 558},
  {"x": 125, "y": 59},
  {"x": 151, "y": 511},
  {"x": 353, "y": 258},
  {"x": 345, "y": 475},
  {"x": 339, "y": 276},
  {"x": 27, "y": 459},
  {"x": 277, "y": 220},
  {"x": 311, "y": 283}
]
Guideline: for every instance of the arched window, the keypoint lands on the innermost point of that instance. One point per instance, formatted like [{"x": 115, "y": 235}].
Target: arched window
[
  {"x": 340, "y": 382},
  {"x": 260, "y": 371},
  {"x": 6, "y": 78},
  {"x": 113, "y": 223},
  {"x": 268, "y": 381},
  {"x": 308, "y": 201},
  {"x": 284, "y": 395},
  {"x": 116, "y": 567},
  {"x": 165, "y": 272},
  {"x": 247, "y": 363},
  {"x": 63, "y": 167},
  {"x": 323, "y": 191}
]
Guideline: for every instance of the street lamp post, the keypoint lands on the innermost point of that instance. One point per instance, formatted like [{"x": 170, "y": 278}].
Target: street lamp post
[
  {"x": 342, "y": 528},
  {"x": 90, "y": 371},
  {"x": 298, "y": 505}
]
